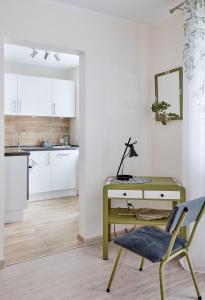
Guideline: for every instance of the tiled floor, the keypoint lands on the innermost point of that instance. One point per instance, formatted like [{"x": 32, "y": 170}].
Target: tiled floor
[{"x": 49, "y": 226}]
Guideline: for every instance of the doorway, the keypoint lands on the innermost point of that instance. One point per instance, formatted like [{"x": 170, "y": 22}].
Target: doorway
[{"x": 41, "y": 217}]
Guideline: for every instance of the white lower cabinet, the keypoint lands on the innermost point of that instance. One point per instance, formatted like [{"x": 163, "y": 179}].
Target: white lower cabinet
[
  {"x": 16, "y": 187},
  {"x": 39, "y": 175},
  {"x": 53, "y": 174},
  {"x": 63, "y": 169}
]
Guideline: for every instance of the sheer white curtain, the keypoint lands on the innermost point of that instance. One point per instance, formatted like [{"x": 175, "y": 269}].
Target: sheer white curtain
[{"x": 194, "y": 116}]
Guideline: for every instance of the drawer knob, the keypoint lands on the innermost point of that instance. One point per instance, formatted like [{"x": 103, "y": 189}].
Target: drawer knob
[
  {"x": 124, "y": 194},
  {"x": 162, "y": 195}
]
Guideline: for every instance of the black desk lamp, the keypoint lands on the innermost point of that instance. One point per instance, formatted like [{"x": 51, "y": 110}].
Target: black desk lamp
[{"x": 131, "y": 153}]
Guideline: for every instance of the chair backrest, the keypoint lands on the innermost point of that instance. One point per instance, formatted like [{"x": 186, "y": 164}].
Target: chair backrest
[{"x": 193, "y": 210}]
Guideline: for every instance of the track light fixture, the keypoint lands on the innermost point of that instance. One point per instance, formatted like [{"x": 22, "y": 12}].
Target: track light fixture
[
  {"x": 46, "y": 54},
  {"x": 56, "y": 55},
  {"x": 34, "y": 53}
]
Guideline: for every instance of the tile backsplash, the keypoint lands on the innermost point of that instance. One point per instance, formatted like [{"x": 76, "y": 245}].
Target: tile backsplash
[{"x": 36, "y": 129}]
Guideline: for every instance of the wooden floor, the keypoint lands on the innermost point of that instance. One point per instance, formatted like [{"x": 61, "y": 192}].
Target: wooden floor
[
  {"x": 81, "y": 274},
  {"x": 49, "y": 226}
]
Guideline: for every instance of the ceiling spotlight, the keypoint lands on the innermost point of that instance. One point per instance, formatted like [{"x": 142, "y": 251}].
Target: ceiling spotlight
[
  {"x": 46, "y": 54},
  {"x": 56, "y": 55},
  {"x": 34, "y": 52}
]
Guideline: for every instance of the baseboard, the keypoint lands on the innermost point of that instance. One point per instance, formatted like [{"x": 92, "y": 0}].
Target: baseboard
[
  {"x": 52, "y": 195},
  {"x": 2, "y": 264},
  {"x": 80, "y": 238},
  {"x": 88, "y": 241},
  {"x": 97, "y": 239},
  {"x": 13, "y": 216}
]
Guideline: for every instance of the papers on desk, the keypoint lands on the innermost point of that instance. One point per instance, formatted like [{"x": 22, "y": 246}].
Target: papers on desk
[{"x": 134, "y": 179}]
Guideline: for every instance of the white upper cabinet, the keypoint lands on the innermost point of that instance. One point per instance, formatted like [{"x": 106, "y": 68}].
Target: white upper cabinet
[
  {"x": 63, "y": 98},
  {"x": 11, "y": 94},
  {"x": 39, "y": 96},
  {"x": 34, "y": 96}
]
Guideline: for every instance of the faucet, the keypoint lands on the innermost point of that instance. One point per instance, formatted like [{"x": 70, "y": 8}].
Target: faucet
[{"x": 19, "y": 134}]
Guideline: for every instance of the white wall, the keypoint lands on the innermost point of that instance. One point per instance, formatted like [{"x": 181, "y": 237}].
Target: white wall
[
  {"x": 167, "y": 52},
  {"x": 1, "y": 149},
  {"x": 114, "y": 79}
]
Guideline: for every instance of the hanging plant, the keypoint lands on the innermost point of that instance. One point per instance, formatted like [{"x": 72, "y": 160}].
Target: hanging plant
[{"x": 161, "y": 114}]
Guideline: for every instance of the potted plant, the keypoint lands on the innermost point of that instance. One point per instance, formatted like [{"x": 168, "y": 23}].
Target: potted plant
[{"x": 161, "y": 114}]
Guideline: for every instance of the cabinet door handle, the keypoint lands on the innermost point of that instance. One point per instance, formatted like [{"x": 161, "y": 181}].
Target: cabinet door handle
[
  {"x": 33, "y": 163},
  {"x": 124, "y": 194},
  {"x": 18, "y": 107},
  {"x": 14, "y": 106},
  {"x": 63, "y": 154},
  {"x": 47, "y": 159},
  {"x": 162, "y": 195}
]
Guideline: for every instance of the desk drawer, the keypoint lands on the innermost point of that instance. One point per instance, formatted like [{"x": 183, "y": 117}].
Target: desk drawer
[
  {"x": 175, "y": 195},
  {"x": 125, "y": 194}
]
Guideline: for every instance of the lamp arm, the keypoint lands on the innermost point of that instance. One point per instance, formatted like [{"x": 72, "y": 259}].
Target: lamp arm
[{"x": 123, "y": 156}]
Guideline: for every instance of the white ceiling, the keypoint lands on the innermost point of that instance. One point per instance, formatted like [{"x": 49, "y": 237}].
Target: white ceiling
[
  {"x": 22, "y": 55},
  {"x": 140, "y": 11}
]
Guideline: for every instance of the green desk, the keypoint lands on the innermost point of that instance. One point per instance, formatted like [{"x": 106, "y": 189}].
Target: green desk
[{"x": 160, "y": 188}]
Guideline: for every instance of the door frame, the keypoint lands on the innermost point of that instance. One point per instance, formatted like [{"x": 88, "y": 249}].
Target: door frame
[{"x": 82, "y": 59}]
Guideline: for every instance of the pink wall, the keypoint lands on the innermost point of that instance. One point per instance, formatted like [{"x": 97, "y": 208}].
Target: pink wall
[{"x": 167, "y": 52}]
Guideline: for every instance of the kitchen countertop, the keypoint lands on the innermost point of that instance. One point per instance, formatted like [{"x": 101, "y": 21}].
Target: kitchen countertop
[
  {"x": 25, "y": 150},
  {"x": 13, "y": 151}
]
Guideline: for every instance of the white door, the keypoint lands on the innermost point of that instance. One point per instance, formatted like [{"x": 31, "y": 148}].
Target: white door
[
  {"x": 11, "y": 94},
  {"x": 39, "y": 175},
  {"x": 63, "y": 98},
  {"x": 34, "y": 95},
  {"x": 63, "y": 169}
]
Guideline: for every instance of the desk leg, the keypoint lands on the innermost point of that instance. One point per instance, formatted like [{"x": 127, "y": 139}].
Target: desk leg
[
  {"x": 109, "y": 232},
  {"x": 105, "y": 225},
  {"x": 109, "y": 225}
]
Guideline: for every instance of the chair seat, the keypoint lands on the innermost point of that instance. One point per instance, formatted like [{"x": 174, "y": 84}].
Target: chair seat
[{"x": 149, "y": 242}]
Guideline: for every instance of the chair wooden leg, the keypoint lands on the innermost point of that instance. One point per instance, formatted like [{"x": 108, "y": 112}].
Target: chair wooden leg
[
  {"x": 141, "y": 264},
  {"x": 193, "y": 276},
  {"x": 161, "y": 267},
  {"x": 114, "y": 270}
]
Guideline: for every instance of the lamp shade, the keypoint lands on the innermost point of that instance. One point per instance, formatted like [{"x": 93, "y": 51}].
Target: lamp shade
[{"x": 132, "y": 152}]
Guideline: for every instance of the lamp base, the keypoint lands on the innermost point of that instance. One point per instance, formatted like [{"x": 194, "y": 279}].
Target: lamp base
[{"x": 124, "y": 177}]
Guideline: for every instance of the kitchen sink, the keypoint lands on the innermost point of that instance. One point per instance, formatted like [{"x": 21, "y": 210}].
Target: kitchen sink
[{"x": 61, "y": 146}]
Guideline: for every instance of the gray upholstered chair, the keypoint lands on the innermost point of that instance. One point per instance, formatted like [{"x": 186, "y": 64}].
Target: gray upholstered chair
[{"x": 161, "y": 246}]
